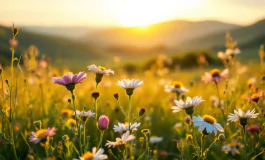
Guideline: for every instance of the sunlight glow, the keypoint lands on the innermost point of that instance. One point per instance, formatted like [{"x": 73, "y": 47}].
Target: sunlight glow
[{"x": 146, "y": 12}]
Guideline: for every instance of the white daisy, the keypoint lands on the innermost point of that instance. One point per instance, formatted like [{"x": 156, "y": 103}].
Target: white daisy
[
  {"x": 240, "y": 115},
  {"x": 207, "y": 124},
  {"x": 222, "y": 55},
  {"x": 126, "y": 137},
  {"x": 215, "y": 75},
  {"x": 84, "y": 114},
  {"x": 129, "y": 84},
  {"x": 121, "y": 127},
  {"x": 232, "y": 52},
  {"x": 100, "y": 69},
  {"x": 95, "y": 155},
  {"x": 155, "y": 139},
  {"x": 190, "y": 103},
  {"x": 176, "y": 87},
  {"x": 232, "y": 147}
]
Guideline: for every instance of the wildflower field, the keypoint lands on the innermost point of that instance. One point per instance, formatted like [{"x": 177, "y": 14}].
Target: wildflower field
[{"x": 100, "y": 112}]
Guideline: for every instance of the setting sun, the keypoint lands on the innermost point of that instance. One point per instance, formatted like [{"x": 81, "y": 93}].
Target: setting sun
[{"x": 143, "y": 13}]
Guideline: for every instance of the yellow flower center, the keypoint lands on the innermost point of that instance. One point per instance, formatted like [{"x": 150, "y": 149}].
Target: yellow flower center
[
  {"x": 66, "y": 112},
  {"x": 101, "y": 68},
  {"x": 232, "y": 145},
  {"x": 88, "y": 156},
  {"x": 177, "y": 84},
  {"x": 189, "y": 136},
  {"x": 40, "y": 133},
  {"x": 255, "y": 95},
  {"x": 126, "y": 124},
  {"x": 209, "y": 119},
  {"x": 215, "y": 73},
  {"x": 71, "y": 121}
]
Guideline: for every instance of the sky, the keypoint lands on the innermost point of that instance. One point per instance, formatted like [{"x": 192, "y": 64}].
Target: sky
[{"x": 127, "y": 12}]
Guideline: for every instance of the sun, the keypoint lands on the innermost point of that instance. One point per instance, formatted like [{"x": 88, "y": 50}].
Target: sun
[{"x": 142, "y": 13}]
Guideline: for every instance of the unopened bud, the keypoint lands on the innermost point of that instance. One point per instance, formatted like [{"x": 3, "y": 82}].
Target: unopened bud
[
  {"x": 103, "y": 123},
  {"x": 187, "y": 119},
  {"x": 116, "y": 96},
  {"x": 221, "y": 137},
  {"x": 189, "y": 137},
  {"x": 65, "y": 138},
  {"x": 141, "y": 112},
  {"x": 95, "y": 95},
  {"x": 15, "y": 31}
]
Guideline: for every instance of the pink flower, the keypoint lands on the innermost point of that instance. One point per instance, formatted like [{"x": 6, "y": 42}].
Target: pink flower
[
  {"x": 14, "y": 43},
  {"x": 42, "y": 134},
  {"x": 103, "y": 122},
  {"x": 215, "y": 75},
  {"x": 69, "y": 80},
  {"x": 253, "y": 128},
  {"x": 44, "y": 63}
]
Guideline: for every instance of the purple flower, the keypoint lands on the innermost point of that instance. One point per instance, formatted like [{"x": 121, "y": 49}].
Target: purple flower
[
  {"x": 103, "y": 122},
  {"x": 41, "y": 134},
  {"x": 70, "y": 80}
]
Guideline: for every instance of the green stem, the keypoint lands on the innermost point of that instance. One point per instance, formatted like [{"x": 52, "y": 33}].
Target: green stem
[
  {"x": 3, "y": 104},
  {"x": 121, "y": 108},
  {"x": 194, "y": 138},
  {"x": 245, "y": 141},
  {"x": 202, "y": 145},
  {"x": 177, "y": 95},
  {"x": 219, "y": 97},
  {"x": 42, "y": 101},
  {"x": 212, "y": 144},
  {"x": 101, "y": 139},
  {"x": 77, "y": 124},
  {"x": 11, "y": 98},
  {"x": 96, "y": 110},
  {"x": 130, "y": 111},
  {"x": 84, "y": 138}
]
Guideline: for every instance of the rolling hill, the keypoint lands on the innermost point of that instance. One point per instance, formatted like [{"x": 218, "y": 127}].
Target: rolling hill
[
  {"x": 162, "y": 34},
  {"x": 244, "y": 35},
  {"x": 54, "y": 47}
]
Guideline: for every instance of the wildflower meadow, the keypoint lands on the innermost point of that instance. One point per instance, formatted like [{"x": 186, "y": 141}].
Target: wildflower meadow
[{"x": 100, "y": 112}]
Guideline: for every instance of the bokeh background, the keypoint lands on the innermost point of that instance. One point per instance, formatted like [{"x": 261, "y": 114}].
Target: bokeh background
[{"x": 130, "y": 32}]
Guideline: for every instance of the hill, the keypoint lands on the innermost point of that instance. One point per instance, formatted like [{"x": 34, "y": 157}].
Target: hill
[
  {"x": 162, "y": 34},
  {"x": 67, "y": 32},
  {"x": 51, "y": 46},
  {"x": 243, "y": 35}
]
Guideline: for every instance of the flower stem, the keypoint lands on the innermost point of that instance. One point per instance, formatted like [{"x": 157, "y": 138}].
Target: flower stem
[
  {"x": 84, "y": 138},
  {"x": 96, "y": 110},
  {"x": 11, "y": 99},
  {"x": 77, "y": 124},
  {"x": 245, "y": 141},
  {"x": 121, "y": 108},
  {"x": 3, "y": 104},
  {"x": 219, "y": 97},
  {"x": 101, "y": 139},
  {"x": 202, "y": 145},
  {"x": 130, "y": 111}
]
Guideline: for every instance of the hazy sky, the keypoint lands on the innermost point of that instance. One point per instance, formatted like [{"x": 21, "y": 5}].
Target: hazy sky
[{"x": 126, "y": 12}]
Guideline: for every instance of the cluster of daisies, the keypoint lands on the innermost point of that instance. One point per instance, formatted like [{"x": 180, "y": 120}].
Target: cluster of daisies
[
  {"x": 207, "y": 124},
  {"x": 70, "y": 80}
]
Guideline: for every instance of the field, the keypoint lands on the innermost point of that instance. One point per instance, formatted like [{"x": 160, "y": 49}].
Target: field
[{"x": 49, "y": 113}]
